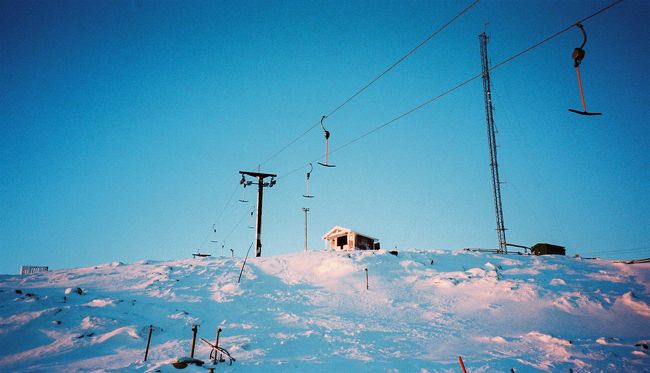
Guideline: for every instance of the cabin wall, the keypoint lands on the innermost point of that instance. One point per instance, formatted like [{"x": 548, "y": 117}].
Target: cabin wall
[
  {"x": 364, "y": 243},
  {"x": 547, "y": 249},
  {"x": 340, "y": 243}
]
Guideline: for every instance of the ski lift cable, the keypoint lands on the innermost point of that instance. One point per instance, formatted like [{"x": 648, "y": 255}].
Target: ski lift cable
[
  {"x": 405, "y": 56},
  {"x": 411, "y": 111},
  {"x": 498, "y": 92},
  {"x": 431, "y": 100},
  {"x": 622, "y": 251},
  {"x": 236, "y": 226},
  {"x": 553, "y": 36},
  {"x": 375, "y": 79},
  {"x": 218, "y": 219}
]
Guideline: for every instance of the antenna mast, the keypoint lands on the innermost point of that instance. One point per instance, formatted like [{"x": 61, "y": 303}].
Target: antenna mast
[{"x": 494, "y": 166}]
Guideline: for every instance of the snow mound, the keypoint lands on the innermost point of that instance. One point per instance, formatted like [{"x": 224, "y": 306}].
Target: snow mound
[
  {"x": 630, "y": 301},
  {"x": 318, "y": 311},
  {"x": 100, "y": 303}
]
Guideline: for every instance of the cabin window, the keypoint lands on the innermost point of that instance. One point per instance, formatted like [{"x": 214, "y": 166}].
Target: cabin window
[{"x": 342, "y": 241}]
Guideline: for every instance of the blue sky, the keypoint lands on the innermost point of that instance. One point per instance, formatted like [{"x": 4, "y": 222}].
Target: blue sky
[{"x": 124, "y": 125}]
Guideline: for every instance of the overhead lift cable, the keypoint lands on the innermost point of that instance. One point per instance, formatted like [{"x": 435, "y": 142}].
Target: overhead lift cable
[
  {"x": 234, "y": 228},
  {"x": 216, "y": 222},
  {"x": 375, "y": 79},
  {"x": 429, "y": 101}
]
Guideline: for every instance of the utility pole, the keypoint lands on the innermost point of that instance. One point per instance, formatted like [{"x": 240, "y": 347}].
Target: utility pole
[
  {"x": 305, "y": 209},
  {"x": 260, "y": 193},
  {"x": 494, "y": 165}
]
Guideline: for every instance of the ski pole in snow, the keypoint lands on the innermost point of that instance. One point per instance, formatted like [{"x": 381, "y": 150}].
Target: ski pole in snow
[
  {"x": 367, "y": 279},
  {"x": 146, "y": 352},
  {"x": 462, "y": 366}
]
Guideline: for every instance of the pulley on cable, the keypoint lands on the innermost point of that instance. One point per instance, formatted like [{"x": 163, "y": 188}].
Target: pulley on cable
[
  {"x": 308, "y": 195},
  {"x": 327, "y": 142},
  {"x": 245, "y": 183},
  {"x": 578, "y": 56}
]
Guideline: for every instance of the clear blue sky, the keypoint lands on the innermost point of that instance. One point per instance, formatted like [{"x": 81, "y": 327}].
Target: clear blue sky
[{"x": 124, "y": 125}]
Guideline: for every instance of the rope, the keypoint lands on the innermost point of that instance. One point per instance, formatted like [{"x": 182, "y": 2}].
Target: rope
[{"x": 362, "y": 89}]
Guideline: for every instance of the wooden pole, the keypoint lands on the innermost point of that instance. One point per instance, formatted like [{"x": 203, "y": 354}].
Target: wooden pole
[
  {"x": 260, "y": 195},
  {"x": 195, "y": 328},
  {"x": 258, "y": 226},
  {"x": 146, "y": 353},
  {"x": 216, "y": 349},
  {"x": 367, "y": 287},
  {"x": 244, "y": 264},
  {"x": 462, "y": 366}
]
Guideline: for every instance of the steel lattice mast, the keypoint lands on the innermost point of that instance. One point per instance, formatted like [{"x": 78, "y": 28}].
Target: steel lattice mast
[{"x": 494, "y": 165}]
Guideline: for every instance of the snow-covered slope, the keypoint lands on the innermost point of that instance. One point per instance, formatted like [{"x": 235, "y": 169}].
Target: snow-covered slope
[{"x": 312, "y": 312}]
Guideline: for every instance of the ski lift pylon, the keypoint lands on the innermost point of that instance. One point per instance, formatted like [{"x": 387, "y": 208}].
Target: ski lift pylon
[
  {"x": 578, "y": 56},
  {"x": 308, "y": 195},
  {"x": 327, "y": 142}
]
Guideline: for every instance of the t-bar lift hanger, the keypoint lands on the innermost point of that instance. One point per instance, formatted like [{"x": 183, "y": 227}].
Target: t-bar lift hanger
[
  {"x": 578, "y": 56},
  {"x": 308, "y": 195},
  {"x": 327, "y": 140}
]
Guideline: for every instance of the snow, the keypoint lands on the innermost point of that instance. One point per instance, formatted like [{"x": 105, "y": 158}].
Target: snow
[
  {"x": 629, "y": 300},
  {"x": 312, "y": 312}
]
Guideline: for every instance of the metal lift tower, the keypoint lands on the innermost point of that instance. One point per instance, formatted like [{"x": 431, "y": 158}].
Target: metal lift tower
[{"x": 494, "y": 165}]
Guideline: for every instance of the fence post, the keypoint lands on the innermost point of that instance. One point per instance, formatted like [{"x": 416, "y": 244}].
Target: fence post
[
  {"x": 367, "y": 287},
  {"x": 195, "y": 328},
  {"x": 216, "y": 349},
  {"x": 146, "y": 353},
  {"x": 462, "y": 365}
]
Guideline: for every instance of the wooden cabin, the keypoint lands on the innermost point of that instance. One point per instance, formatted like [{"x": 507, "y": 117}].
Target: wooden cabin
[
  {"x": 547, "y": 249},
  {"x": 339, "y": 238}
]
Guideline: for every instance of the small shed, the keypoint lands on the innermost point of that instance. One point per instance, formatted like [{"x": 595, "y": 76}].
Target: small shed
[
  {"x": 547, "y": 249},
  {"x": 29, "y": 270},
  {"x": 339, "y": 238}
]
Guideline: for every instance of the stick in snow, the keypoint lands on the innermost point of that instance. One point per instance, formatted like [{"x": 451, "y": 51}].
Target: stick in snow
[
  {"x": 245, "y": 259},
  {"x": 195, "y": 328},
  {"x": 367, "y": 279},
  {"x": 462, "y": 366},
  {"x": 146, "y": 353}
]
